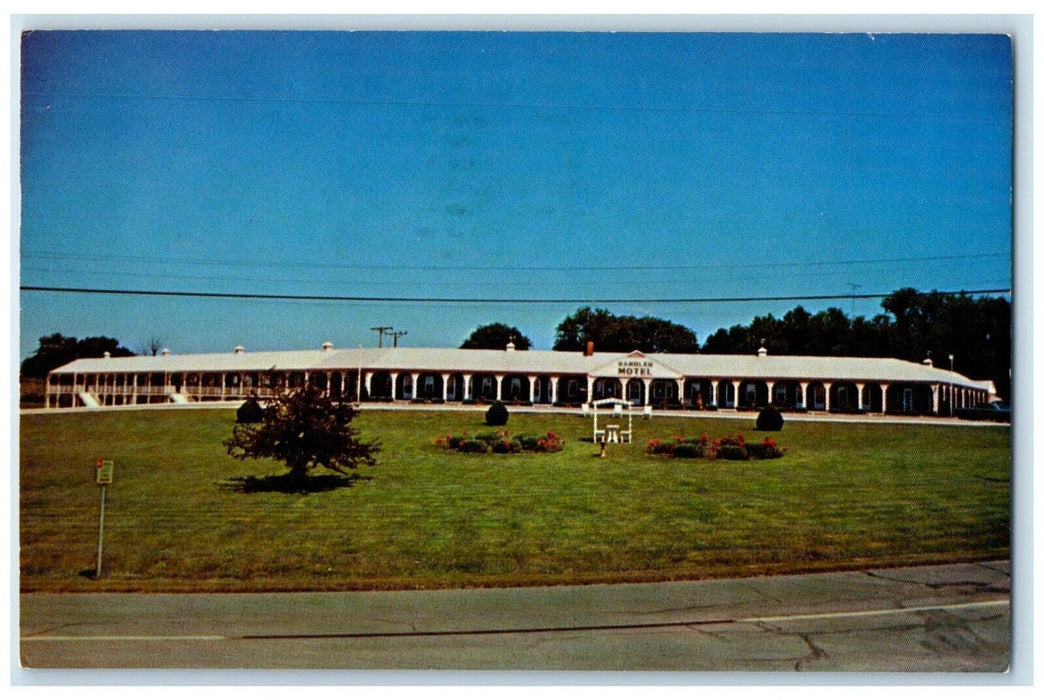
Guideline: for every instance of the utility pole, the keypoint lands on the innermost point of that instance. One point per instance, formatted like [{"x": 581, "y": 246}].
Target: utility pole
[
  {"x": 380, "y": 334},
  {"x": 395, "y": 337}
]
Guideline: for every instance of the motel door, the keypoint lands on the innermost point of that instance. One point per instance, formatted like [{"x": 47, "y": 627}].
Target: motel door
[
  {"x": 907, "y": 400},
  {"x": 636, "y": 392}
]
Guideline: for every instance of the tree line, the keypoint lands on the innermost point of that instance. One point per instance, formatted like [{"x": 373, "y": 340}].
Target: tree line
[{"x": 975, "y": 331}]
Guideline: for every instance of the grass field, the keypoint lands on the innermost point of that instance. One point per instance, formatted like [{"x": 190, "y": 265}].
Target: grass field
[{"x": 844, "y": 495}]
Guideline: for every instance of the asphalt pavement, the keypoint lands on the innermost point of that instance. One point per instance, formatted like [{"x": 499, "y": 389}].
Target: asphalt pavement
[{"x": 937, "y": 618}]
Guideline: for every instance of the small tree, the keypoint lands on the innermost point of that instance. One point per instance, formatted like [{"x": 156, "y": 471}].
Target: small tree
[{"x": 304, "y": 429}]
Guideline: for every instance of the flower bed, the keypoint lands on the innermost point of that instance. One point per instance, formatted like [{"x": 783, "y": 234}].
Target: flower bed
[
  {"x": 500, "y": 442},
  {"x": 725, "y": 447}
]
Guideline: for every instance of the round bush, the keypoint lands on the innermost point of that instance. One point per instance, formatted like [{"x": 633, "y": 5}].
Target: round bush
[
  {"x": 770, "y": 419},
  {"x": 250, "y": 412},
  {"x": 497, "y": 414}
]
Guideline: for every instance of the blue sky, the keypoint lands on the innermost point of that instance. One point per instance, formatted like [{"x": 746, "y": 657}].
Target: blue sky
[{"x": 528, "y": 166}]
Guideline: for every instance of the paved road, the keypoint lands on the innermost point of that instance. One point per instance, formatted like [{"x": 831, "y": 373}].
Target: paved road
[{"x": 941, "y": 618}]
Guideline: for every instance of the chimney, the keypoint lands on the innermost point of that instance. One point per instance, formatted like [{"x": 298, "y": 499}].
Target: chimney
[
  {"x": 762, "y": 351},
  {"x": 510, "y": 347},
  {"x": 589, "y": 349},
  {"x": 106, "y": 354},
  {"x": 239, "y": 350}
]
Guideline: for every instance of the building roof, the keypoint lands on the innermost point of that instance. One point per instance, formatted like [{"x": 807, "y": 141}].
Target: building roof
[{"x": 451, "y": 360}]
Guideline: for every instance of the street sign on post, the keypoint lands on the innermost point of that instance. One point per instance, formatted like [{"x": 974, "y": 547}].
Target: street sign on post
[{"x": 103, "y": 477}]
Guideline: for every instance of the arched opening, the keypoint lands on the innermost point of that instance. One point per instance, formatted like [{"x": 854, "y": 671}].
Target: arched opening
[
  {"x": 429, "y": 386},
  {"x": 753, "y": 394},
  {"x": 380, "y": 386},
  {"x": 872, "y": 398},
  {"x": 787, "y": 395},
  {"x": 455, "y": 388},
  {"x": 844, "y": 397},
  {"x": 572, "y": 389},
  {"x": 664, "y": 393},
  {"x": 484, "y": 387},
  {"x": 515, "y": 388},
  {"x": 817, "y": 397},
  {"x": 606, "y": 388}
]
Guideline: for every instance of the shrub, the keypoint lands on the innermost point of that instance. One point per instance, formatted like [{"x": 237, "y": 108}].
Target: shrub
[
  {"x": 505, "y": 446},
  {"x": 473, "y": 447},
  {"x": 734, "y": 452},
  {"x": 497, "y": 414},
  {"x": 658, "y": 447},
  {"x": 688, "y": 450},
  {"x": 770, "y": 419},
  {"x": 250, "y": 411},
  {"x": 766, "y": 449}
]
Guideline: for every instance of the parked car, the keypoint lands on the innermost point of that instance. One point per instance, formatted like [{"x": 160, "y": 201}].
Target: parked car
[{"x": 999, "y": 411}]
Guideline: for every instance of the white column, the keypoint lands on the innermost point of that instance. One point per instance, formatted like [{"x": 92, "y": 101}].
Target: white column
[
  {"x": 590, "y": 388},
  {"x": 394, "y": 381},
  {"x": 445, "y": 386},
  {"x": 859, "y": 388},
  {"x": 415, "y": 391},
  {"x": 826, "y": 393},
  {"x": 532, "y": 387},
  {"x": 367, "y": 381},
  {"x": 714, "y": 392},
  {"x": 884, "y": 398},
  {"x": 770, "y": 384},
  {"x": 500, "y": 386},
  {"x": 554, "y": 389},
  {"x": 803, "y": 402},
  {"x": 465, "y": 391},
  {"x": 648, "y": 391},
  {"x": 735, "y": 393},
  {"x": 935, "y": 398},
  {"x": 681, "y": 390}
]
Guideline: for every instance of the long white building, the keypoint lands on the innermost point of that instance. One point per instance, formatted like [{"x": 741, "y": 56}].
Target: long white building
[{"x": 440, "y": 375}]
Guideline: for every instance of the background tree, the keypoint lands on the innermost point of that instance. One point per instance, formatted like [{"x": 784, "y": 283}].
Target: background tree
[
  {"x": 976, "y": 331},
  {"x": 57, "y": 350},
  {"x": 152, "y": 346},
  {"x": 495, "y": 336},
  {"x": 611, "y": 333},
  {"x": 304, "y": 429}
]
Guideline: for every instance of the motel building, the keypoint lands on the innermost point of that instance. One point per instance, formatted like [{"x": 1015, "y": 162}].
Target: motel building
[{"x": 532, "y": 377}]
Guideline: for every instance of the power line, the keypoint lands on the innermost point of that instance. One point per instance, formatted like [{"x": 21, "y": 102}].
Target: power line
[
  {"x": 619, "y": 281},
  {"x": 133, "y": 259},
  {"x": 454, "y": 300}
]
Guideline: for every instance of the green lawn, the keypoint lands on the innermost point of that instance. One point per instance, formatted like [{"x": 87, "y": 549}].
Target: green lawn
[{"x": 844, "y": 495}]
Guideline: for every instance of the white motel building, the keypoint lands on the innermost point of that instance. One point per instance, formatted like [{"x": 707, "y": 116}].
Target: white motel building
[{"x": 537, "y": 377}]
